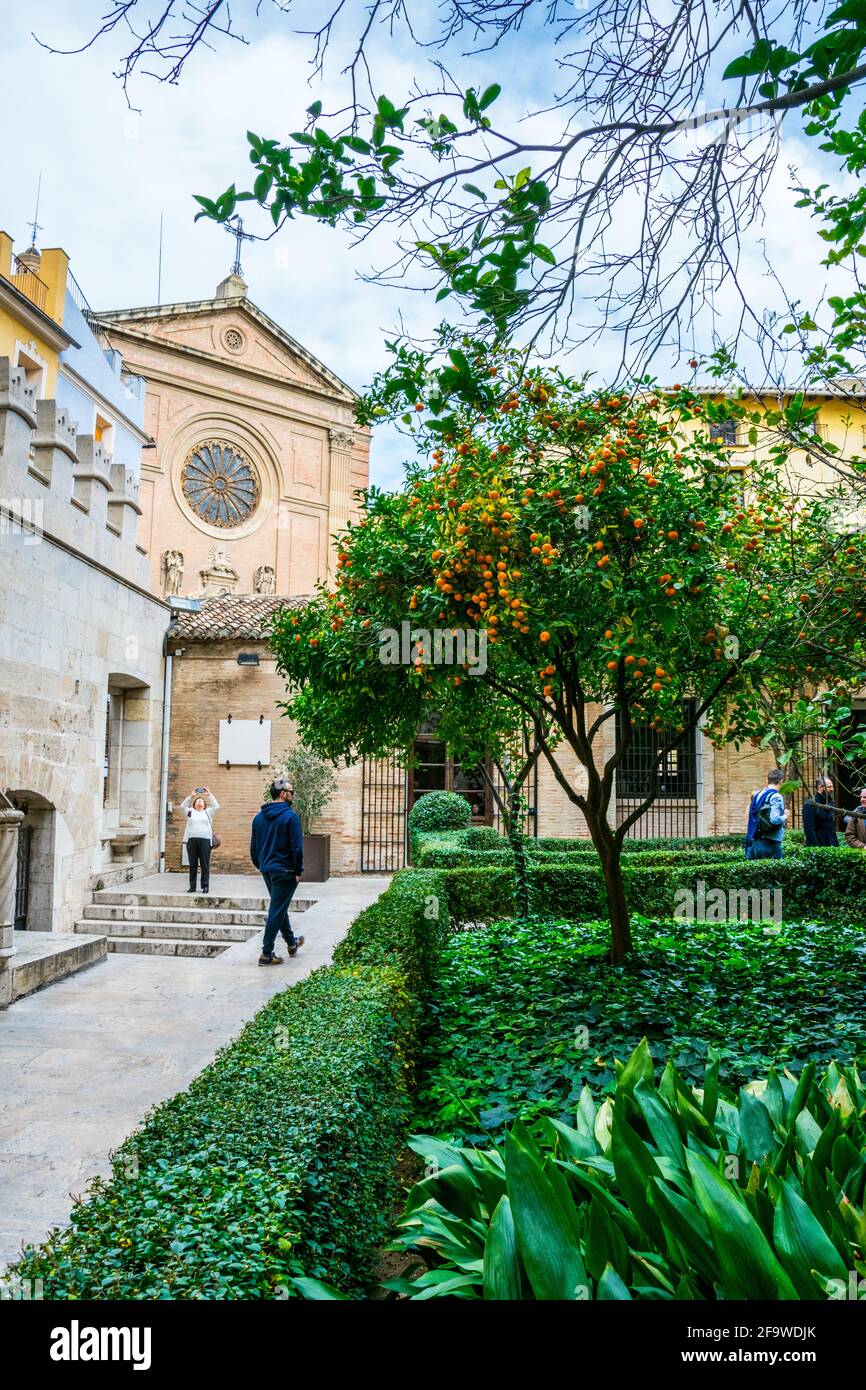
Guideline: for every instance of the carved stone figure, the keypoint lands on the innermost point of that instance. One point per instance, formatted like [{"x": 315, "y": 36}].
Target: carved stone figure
[
  {"x": 172, "y": 564},
  {"x": 219, "y": 560},
  {"x": 220, "y": 577},
  {"x": 265, "y": 581},
  {"x": 342, "y": 440}
]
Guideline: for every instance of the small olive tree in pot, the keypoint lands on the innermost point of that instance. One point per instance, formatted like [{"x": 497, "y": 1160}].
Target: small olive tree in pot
[{"x": 315, "y": 785}]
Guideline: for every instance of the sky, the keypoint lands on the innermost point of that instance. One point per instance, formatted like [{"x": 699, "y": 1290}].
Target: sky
[{"x": 108, "y": 174}]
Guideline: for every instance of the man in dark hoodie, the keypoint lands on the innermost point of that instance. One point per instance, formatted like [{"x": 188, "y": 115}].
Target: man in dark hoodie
[
  {"x": 277, "y": 850},
  {"x": 819, "y": 815}
]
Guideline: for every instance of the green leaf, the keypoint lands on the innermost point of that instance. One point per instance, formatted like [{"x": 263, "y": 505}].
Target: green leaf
[
  {"x": 610, "y": 1286},
  {"x": 488, "y": 96},
  {"x": 316, "y": 1289},
  {"x": 756, "y": 1128},
  {"x": 660, "y": 1123},
  {"x": 503, "y": 1278},
  {"x": 749, "y": 1269},
  {"x": 262, "y": 185},
  {"x": 605, "y": 1243},
  {"x": 639, "y": 1067},
  {"x": 802, "y": 1243},
  {"x": 548, "y": 1235},
  {"x": 635, "y": 1168}
]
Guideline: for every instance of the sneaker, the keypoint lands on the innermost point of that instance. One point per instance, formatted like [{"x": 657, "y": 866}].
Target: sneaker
[
  {"x": 270, "y": 960},
  {"x": 293, "y": 949}
]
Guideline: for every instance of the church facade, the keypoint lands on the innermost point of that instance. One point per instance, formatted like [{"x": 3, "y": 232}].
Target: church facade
[
  {"x": 254, "y": 466},
  {"x": 255, "y": 453}
]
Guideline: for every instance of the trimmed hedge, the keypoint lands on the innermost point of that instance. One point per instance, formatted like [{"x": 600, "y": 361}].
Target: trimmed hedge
[
  {"x": 437, "y": 852},
  {"x": 830, "y": 883},
  {"x": 724, "y": 843},
  {"x": 278, "y": 1160}
]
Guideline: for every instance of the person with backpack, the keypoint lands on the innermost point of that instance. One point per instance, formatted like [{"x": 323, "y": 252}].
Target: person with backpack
[
  {"x": 277, "y": 850},
  {"x": 767, "y": 816}
]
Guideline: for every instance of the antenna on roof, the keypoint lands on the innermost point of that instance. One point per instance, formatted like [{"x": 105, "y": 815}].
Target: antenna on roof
[
  {"x": 36, "y": 226},
  {"x": 159, "y": 265}
]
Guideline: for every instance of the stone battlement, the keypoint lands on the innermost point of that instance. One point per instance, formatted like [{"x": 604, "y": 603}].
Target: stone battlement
[{"x": 57, "y": 484}]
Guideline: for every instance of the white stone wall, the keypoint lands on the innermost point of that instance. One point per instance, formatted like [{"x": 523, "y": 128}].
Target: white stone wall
[{"x": 75, "y": 620}]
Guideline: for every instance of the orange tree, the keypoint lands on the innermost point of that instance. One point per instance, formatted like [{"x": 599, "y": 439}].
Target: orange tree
[{"x": 619, "y": 573}]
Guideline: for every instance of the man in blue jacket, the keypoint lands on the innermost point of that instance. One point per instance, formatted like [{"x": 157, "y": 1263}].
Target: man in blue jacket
[
  {"x": 277, "y": 850},
  {"x": 767, "y": 816}
]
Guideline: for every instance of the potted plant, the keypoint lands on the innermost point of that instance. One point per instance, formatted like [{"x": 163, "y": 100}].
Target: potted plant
[{"x": 315, "y": 786}]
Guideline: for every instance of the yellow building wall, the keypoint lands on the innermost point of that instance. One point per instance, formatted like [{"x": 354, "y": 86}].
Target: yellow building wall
[{"x": 13, "y": 327}]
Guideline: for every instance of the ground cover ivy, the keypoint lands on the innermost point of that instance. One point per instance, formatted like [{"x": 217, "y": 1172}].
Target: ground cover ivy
[{"x": 527, "y": 1013}]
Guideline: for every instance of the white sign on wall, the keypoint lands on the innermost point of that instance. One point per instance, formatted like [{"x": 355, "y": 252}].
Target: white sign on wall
[{"x": 245, "y": 741}]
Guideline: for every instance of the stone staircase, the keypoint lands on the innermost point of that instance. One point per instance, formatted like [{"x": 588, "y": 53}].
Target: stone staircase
[{"x": 175, "y": 924}]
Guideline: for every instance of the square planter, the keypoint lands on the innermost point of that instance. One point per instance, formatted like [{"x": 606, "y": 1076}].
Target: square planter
[{"x": 317, "y": 858}]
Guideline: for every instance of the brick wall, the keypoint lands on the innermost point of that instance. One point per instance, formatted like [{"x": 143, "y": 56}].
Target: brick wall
[{"x": 207, "y": 685}]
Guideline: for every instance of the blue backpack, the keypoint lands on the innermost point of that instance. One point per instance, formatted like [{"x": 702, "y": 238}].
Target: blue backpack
[{"x": 758, "y": 822}]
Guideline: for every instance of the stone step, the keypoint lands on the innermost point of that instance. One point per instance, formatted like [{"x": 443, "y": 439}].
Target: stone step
[
  {"x": 107, "y": 913},
  {"x": 165, "y": 946},
  {"x": 41, "y": 958},
  {"x": 191, "y": 902},
  {"x": 187, "y": 931}
]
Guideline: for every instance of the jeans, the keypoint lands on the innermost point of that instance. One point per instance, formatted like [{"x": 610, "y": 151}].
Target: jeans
[
  {"x": 764, "y": 849},
  {"x": 198, "y": 852},
  {"x": 281, "y": 885}
]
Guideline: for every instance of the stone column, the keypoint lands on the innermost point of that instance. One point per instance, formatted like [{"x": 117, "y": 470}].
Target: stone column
[
  {"x": 340, "y": 490},
  {"x": 10, "y": 819}
]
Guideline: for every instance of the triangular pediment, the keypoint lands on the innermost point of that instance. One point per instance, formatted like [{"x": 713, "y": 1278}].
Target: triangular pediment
[{"x": 235, "y": 332}]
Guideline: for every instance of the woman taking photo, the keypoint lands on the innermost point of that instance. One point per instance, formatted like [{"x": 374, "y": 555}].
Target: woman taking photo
[{"x": 198, "y": 835}]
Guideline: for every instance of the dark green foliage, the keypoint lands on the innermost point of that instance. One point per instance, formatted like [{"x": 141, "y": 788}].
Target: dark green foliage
[
  {"x": 829, "y": 883},
  {"x": 725, "y": 843},
  {"x": 659, "y": 1192},
  {"x": 402, "y": 929},
  {"x": 440, "y": 811},
  {"x": 278, "y": 1160},
  {"x": 478, "y": 895},
  {"x": 437, "y": 811},
  {"x": 527, "y": 1013}
]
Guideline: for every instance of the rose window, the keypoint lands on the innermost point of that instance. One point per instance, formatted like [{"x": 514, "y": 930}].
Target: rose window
[{"x": 219, "y": 485}]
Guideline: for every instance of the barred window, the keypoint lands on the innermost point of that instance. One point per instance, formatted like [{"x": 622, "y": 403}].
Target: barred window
[
  {"x": 678, "y": 773},
  {"x": 725, "y": 432}
]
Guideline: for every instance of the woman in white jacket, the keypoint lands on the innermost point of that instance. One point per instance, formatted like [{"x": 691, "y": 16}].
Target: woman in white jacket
[{"x": 198, "y": 835}]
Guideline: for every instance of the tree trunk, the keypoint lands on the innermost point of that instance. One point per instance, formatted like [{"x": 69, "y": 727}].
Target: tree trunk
[
  {"x": 516, "y": 839},
  {"x": 610, "y": 854}
]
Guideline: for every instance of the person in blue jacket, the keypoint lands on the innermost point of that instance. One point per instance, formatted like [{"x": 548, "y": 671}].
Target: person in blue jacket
[
  {"x": 767, "y": 816},
  {"x": 277, "y": 850}
]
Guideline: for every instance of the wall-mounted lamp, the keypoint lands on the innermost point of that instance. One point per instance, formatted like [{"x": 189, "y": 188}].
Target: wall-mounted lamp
[{"x": 248, "y": 658}]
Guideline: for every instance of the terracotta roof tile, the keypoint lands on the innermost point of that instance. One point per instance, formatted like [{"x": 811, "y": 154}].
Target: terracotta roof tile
[{"x": 232, "y": 617}]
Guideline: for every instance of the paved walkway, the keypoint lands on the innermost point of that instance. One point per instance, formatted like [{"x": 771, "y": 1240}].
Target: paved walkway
[{"x": 84, "y": 1059}]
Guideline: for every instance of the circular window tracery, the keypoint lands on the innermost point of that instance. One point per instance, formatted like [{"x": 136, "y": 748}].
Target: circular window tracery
[
  {"x": 219, "y": 485},
  {"x": 233, "y": 339}
]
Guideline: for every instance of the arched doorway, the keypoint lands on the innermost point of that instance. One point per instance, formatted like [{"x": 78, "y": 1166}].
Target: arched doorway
[{"x": 36, "y": 865}]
